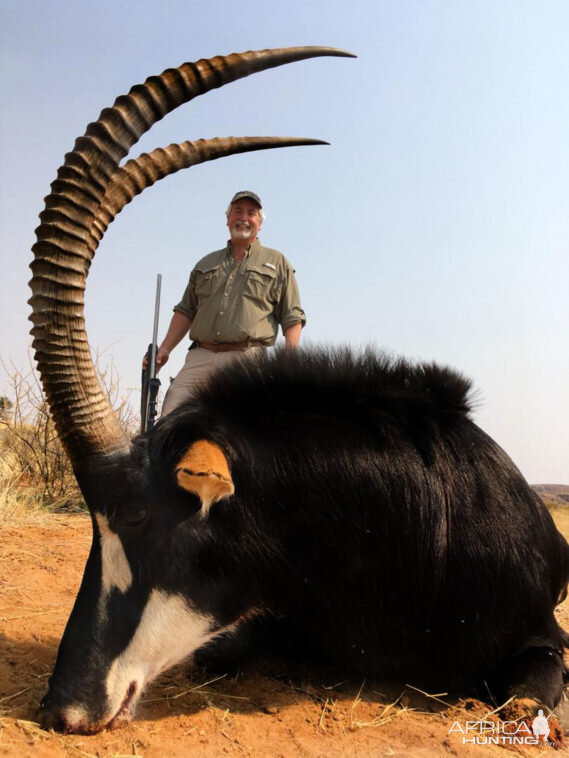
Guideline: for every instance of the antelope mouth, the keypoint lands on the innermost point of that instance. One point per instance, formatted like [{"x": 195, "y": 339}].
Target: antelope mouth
[{"x": 126, "y": 710}]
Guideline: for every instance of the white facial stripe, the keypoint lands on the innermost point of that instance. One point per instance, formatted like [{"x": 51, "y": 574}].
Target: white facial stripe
[
  {"x": 168, "y": 632},
  {"x": 116, "y": 569}
]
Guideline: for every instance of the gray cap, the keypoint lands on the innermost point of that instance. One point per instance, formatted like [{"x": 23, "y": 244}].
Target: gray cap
[{"x": 245, "y": 193}]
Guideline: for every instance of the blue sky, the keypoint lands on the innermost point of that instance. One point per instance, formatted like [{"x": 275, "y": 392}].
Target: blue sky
[{"x": 436, "y": 225}]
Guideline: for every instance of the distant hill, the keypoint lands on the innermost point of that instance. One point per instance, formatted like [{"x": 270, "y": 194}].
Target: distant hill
[{"x": 553, "y": 494}]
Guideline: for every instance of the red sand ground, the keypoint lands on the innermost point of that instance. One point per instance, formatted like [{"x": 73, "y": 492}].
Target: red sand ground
[{"x": 268, "y": 710}]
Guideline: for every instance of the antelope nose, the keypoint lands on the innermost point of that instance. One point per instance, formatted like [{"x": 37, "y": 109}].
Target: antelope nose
[{"x": 71, "y": 718}]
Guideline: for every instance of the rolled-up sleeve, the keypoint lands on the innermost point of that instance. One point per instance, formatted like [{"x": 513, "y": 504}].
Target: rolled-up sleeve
[
  {"x": 188, "y": 305},
  {"x": 289, "y": 310}
]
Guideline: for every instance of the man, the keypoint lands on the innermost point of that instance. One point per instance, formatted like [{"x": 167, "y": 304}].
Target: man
[{"x": 233, "y": 304}]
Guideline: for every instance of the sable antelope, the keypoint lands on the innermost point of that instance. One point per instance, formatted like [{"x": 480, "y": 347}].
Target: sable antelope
[{"x": 347, "y": 501}]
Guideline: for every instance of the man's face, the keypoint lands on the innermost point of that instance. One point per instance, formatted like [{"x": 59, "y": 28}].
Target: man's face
[{"x": 244, "y": 221}]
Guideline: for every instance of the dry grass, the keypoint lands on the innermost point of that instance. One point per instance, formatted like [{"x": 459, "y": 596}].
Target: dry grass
[
  {"x": 32, "y": 458},
  {"x": 58, "y": 744},
  {"x": 560, "y": 515},
  {"x": 19, "y": 504},
  {"x": 388, "y": 713}
]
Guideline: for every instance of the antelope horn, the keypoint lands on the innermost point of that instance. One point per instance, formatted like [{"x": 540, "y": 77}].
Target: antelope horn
[
  {"x": 85, "y": 421},
  {"x": 140, "y": 173}
]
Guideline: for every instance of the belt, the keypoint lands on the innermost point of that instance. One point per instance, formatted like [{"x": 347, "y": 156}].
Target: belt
[{"x": 224, "y": 347}]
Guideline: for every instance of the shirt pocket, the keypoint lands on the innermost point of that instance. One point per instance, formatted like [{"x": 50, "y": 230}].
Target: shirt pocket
[
  {"x": 260, "y": 284},
  {"x": 205, "y": 280}
]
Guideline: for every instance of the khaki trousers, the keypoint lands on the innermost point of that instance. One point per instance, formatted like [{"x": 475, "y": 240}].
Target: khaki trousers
[{"x": 198, "y": 364}]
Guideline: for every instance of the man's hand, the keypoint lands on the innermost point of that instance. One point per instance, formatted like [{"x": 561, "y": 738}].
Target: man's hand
[
  {"x": 162, "y": 356},
  {"x": 179, "y": 327}
]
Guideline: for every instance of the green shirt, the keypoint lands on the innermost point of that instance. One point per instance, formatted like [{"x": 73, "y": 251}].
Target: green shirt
[{"x": 228, "y": 301}]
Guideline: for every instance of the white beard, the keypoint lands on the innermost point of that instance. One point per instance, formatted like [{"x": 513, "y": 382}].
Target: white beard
[{"x": 241, "y": 231}]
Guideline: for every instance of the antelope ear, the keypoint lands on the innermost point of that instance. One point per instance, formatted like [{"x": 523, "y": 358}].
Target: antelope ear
[{"x": 203, "y": 470}]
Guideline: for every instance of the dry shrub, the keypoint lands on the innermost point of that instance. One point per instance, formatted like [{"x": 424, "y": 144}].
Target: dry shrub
[
  {"x": 18, "y": 504},
  {"x": 35, "y": 472}
]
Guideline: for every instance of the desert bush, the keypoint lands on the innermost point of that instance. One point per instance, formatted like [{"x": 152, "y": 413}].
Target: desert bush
[
  {"x": 33, "y": 461},
  {"x": 18, "y": 503}
]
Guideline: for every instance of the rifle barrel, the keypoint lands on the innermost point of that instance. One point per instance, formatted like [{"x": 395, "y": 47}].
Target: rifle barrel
[
  {"x": 150, "y": 383},
  {"x": 155, "y": 330}
]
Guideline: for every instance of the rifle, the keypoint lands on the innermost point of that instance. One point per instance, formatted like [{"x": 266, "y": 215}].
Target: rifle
[{"x": 150, "y": 383}]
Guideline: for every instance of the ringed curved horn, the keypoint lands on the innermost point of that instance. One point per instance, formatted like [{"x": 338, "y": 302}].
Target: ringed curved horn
[
  {"x": 85, "y": 421},
  {"x": 140, "y": 173}
]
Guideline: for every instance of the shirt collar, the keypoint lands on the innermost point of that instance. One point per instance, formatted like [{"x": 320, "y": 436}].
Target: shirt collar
[{"x": 252, "y": 247}]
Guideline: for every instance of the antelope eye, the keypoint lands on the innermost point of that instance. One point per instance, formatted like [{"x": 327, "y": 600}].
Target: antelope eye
[{"x": 135, "y": 518}]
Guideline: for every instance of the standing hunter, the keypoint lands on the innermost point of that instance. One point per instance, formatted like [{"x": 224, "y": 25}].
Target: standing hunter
[{"x": 234, "y": 302}]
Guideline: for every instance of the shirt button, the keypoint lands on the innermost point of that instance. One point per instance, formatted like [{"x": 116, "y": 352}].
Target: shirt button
[
  {"x": 218, "y": 333},
  {"x": 221, "y": 313}
]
